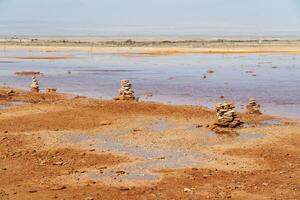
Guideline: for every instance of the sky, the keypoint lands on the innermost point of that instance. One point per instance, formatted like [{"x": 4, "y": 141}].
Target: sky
[{"x": 130, "y": 17}]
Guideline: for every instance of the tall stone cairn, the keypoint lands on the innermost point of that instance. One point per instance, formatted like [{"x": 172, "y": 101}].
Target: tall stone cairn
[
  {"x": 35, "y": 86},
  {"x": 226, "y": 116},
  {"x": 253, "y": 107},
  {"x": 126, "y": 92}
]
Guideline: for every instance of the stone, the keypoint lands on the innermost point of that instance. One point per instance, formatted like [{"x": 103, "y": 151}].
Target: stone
[
  {"x": 120, "y": 172},
  {"x": 51, "y": 90},
  {"x": 58, "y": 163},
  {"x": 35, "y": 87},
  {"x": 10, "y": 92},
  {"x": 226, "y": 117},
  {"x": 124, "y": 188},
  {"x": 105, "y": 123},
  {"x": 58, "y": 187},
  {"x": 253, "y": 107},
  {"x": 187, "y": 190},
  {"x": 126, "y": 92}
]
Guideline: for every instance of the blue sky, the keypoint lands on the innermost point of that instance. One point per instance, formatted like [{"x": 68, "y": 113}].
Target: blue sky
[{"x": 92, "y": 17}]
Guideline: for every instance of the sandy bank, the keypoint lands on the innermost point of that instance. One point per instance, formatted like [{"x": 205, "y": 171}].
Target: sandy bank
[{"x": 162, "y": 48}]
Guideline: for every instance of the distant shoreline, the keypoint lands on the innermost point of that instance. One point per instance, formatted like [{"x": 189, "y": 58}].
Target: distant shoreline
[{"x": 155, "y": 48}]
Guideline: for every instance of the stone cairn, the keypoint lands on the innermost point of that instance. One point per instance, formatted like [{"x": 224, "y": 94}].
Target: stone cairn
[
  {"x": 253, "y": 107},
  {"x": 35, "y": 87},
  {"x": 227, "y": 117},
  {"x": 126, "y": 92}
]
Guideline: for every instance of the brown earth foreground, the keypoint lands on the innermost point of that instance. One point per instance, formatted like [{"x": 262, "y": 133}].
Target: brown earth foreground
[{"x": 36, "y": 161}]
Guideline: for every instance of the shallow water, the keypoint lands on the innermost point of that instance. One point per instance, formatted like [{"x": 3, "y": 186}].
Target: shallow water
[
  {"x": 11, "y": 104},
  {"x": 171, "y": 79},
  {"x": 272, "y": 122},
  {"x": 237, "y": 136},
  {"x": 149, "y": 159}
]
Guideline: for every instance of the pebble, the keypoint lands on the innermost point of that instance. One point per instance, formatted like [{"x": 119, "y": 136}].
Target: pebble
[
  {"x": 265, "y": 184},
  {"x": 187, "y": 190},
  {"x": 58, "y": 163},
  {"x": 54, "y": 188},
  {"x": 105, "y": 123},
  {"x": 124, "y": 188}
]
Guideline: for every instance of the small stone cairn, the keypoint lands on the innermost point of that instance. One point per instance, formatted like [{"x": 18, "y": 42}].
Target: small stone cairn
[
  {"x": 126, "y": 92},
  {"x": 253, "y": 107},
  {"x": 226, "y": 116},
  {"x": 35, "y": 87}
]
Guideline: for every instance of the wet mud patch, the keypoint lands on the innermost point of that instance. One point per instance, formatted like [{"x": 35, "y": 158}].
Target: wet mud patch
[
  {"x": 4, "y": 106},
  {"x": 148, "y": 159},
  {"x": 236, "y": 136},
  {"x": 271, "y": 122}
]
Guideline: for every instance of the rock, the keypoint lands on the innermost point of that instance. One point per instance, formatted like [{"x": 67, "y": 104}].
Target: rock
[
  {"x": 58, "y": 163},
  {"x": 264, "y": 184},
  {"x": 187, "y": 190},
  {"x": 124, "y": 188},
  {"x": 120, "y": 172},
  {"x": 10, "y": 92},
  {"x": 205, "y": 176},
  {"x": 57, "y": 187},
  {"x": 35, "y": 87},
  {"x": 51, "y": 90},
  {"x": 199, "y": 125},
  {"x": 226, "y": 117},
  {"x": 90, "y": 182},
  {"x": 105, "y": 123},
  {"x": 253, "y": 107},
  {"x": 126, "y": 92},
  {"x": 32, "y": 191}
]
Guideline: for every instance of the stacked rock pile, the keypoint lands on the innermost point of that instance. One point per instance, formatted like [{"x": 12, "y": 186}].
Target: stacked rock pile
[
  {"x": 126, "y": 92},
  {"x": 227, "y": 116},
  {"x": 35, "y": 87},
  {"x": 253, "y": 107}
]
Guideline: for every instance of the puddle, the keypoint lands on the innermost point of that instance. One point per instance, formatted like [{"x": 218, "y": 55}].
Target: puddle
[
  {"x": 271, "y": 122},
  {"x": 252, "y": 136},
  {"x": 149, "y": 159},
  {"x": 236, "y": 135},
  {"x": 11, "y": 104},
  {"x": 159, "y": 126},
  {"x": 4, "y": 106},
  {"x": 20, "y": 103}
]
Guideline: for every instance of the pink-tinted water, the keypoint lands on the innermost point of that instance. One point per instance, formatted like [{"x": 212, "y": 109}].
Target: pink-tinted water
[{"x": 272, "y": 79}]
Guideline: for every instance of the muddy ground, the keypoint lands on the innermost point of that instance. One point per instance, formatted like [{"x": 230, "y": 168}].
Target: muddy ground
[{"x": 55, "y": 146}]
